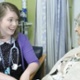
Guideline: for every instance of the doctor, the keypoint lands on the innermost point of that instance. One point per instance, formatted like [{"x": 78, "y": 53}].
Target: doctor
[{"x": 14, "y": 47}]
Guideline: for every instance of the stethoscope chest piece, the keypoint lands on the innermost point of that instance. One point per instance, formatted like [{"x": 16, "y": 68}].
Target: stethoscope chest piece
[{"x": 15, "y": 66}]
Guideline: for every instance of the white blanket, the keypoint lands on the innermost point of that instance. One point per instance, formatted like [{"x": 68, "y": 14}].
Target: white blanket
[{"x": 68, "y": 67}]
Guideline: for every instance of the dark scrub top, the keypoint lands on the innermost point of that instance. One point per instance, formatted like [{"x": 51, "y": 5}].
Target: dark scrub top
[{"x": 5, "y": 47}]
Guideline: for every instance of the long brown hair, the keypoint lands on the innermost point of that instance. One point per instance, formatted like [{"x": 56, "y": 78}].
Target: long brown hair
[{"x": 3, "y": 9}]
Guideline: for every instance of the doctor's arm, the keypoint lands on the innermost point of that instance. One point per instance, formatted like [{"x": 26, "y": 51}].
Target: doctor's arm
[
  {"x": 6, "y": 77},
  {"x": 32, "y": 67}
]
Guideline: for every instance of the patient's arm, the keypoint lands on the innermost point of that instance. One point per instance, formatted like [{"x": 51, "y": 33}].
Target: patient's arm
[{"x": 69, "y": 54}]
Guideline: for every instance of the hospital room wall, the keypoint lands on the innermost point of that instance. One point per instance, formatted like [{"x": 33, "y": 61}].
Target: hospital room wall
[{"x": 31, "y": 4}]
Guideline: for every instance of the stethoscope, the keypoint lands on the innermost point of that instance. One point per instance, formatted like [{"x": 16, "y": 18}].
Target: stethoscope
[{"x": 14, "y": 65}]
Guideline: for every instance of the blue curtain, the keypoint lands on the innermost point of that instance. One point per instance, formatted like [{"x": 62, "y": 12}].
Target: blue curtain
[
  {"x": 60, "y": 24},
  {"x": 57, "y": 31},
  {"x": 52, "y": 32}
]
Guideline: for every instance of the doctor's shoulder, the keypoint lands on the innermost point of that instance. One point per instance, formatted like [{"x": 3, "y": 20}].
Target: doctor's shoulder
[
  {"x": 22, "y": 37},
  {"x": 23, "y": 40}
]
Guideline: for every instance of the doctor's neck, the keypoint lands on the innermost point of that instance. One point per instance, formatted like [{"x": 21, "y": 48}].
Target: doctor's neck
[{"x": 5, "y": 39}]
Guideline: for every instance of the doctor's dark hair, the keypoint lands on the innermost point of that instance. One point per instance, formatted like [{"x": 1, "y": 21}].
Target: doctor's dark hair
[{"x": 4, "y": 6}]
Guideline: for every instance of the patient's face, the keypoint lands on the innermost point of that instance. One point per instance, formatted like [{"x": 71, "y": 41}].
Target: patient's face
[{"x": 77, "y": 29}]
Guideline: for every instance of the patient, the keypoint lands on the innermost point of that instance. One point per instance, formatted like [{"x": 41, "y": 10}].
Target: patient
[{"x": 68, "y": 67}]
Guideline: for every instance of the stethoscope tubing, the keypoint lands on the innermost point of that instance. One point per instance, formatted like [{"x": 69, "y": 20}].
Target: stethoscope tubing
[
  {"x": 17, "y": 51},
  {"x": 10, "y": 55}
]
